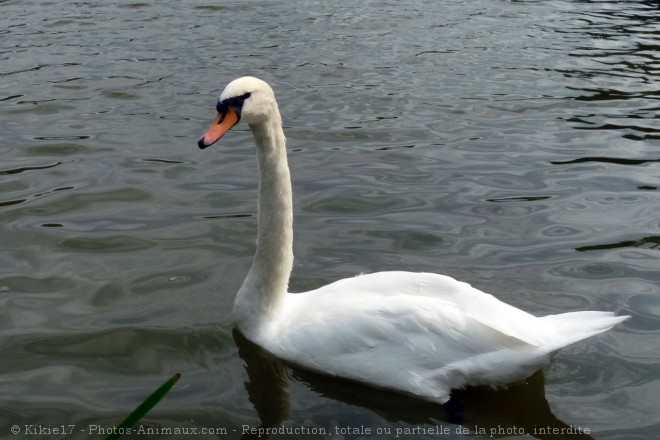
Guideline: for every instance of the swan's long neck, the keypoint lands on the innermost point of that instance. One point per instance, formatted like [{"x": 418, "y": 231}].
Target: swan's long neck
[{"x": 266, "y": 284}]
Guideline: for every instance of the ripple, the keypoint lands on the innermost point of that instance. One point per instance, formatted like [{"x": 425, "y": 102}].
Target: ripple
[
  {"x": 80, "y": 201},
  {"x": 27, "y": 169},
  {"x": 561, "y": 231},
  {"x": 60, "y": 149},
  {"x": 619, "y": 161},
  {"x": 36, "y": 285},
  {"x": 589, "y": 270},
  {"x": 12, "y": 202},
  {"x": 135, "y": 5},
  {"x": 403, "y": 240},
  {"x": 65, "y": 137},
  {"x": 651, "y": 242},
  {"x": 646, "y": 308},
  {"x": 117, "y": 243},
  {"x": 157, "y": 351},
  {"x": 519, "y": 199}
]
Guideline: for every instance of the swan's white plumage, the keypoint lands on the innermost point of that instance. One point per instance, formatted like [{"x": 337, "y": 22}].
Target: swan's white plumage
[{"x": 418, "y": 333}]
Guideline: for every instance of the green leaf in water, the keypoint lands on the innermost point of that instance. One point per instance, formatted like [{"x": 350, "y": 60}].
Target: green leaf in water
[{"x": 143, "y": 408}]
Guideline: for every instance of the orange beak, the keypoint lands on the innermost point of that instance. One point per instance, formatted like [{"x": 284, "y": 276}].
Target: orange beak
[{"x": 223, "y": 122}]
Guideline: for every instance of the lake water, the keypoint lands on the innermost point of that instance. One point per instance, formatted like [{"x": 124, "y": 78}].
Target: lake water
[{"x": 513, "y": 145}]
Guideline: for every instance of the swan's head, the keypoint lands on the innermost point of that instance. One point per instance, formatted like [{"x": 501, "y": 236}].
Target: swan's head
[{"x": 246, "y": 99}]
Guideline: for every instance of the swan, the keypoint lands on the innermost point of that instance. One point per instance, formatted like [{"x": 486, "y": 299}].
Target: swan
[{"x": 422, "y": 334}]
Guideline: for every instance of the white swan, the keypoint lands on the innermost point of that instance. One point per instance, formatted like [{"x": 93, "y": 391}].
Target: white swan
[{"x": 418, "y": 333}]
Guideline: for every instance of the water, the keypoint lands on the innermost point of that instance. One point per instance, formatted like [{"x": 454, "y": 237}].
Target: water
[{"x": 510, "y": 144}]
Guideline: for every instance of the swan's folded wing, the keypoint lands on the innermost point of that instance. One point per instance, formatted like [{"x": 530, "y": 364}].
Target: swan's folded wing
[
  {"x": 481, "y": 306},
  {"x": 398, "y": 341},
  {"x": 411, "y": 324}
]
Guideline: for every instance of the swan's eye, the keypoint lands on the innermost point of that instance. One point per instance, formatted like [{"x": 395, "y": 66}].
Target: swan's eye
[{"x": 235, "y": 102}]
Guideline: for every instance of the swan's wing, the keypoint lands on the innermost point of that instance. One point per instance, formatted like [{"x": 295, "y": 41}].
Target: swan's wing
[
  {"x": 483, "y": 307},
  {"x": 395, "y": 332}
]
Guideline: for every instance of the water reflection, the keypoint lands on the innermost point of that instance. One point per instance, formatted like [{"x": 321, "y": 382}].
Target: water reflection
[
  {"x": 520, "y": 409},
  {"x": 267, "y": 387}
]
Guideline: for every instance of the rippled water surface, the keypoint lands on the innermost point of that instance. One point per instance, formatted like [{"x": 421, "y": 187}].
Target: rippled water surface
[{"x": 510, "y": 144}]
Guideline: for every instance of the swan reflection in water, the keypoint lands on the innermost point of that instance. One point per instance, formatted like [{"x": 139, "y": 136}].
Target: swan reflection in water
[{"x": 521, "y": 408}]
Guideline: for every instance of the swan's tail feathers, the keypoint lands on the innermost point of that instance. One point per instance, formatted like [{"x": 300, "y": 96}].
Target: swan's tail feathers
[{"x": 574, "y": 326}]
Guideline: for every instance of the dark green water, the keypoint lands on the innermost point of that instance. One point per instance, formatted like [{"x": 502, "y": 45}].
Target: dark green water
[{"x": 510, "y": 144}]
